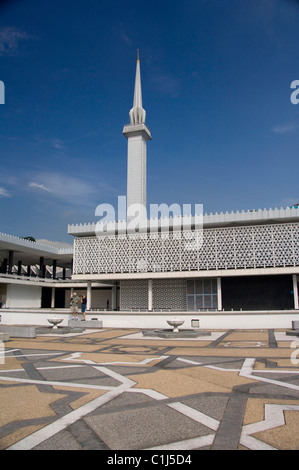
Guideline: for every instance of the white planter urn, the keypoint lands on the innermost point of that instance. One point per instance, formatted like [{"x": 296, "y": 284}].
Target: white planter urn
[
  {"x": 176, "y": 322},
  {"x": 55, "y": 321}
]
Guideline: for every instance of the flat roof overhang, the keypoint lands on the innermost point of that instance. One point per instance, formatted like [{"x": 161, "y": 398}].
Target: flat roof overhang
[
  {"x": 46, "y": 282},
  {"x": 29, "y": 253},
  {"x": 187, "y": 274}
]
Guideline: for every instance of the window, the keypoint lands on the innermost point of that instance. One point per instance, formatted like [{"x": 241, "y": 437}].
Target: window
[{"x": 202, "y": 294}]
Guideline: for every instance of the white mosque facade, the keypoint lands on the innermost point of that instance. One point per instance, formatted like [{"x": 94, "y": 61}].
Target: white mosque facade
[{"x": 237, "y": 269}]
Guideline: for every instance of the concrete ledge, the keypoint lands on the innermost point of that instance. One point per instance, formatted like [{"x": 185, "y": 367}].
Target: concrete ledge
[
  {"x": 61, "y": 330},
  {"x": 4, "y": 337},
  {"x": 292, "y": 333},
  {"x": 180, "y": 334},
  {"x": 256, "y": 319},
  {"x": 85, "y": 324},
  {"x": 295, "y": 329},
  {"x": 19, "y": 331}
]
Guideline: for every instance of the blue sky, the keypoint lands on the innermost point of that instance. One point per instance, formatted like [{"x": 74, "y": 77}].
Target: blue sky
[{"x": 216, "y": 78}]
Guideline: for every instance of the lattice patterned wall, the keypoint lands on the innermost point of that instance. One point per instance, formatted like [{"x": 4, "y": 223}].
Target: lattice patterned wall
[
  {"x": 256, "y": 246},
  {"x": 134, "y": 293},
  {"x": 169, "y": 293}
]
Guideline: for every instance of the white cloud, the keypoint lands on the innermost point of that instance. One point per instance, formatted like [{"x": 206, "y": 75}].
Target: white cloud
[
  {"x": 166, "y": 83},
  {"x": 4, "y": 192},
  {"x": 64, "y": 187},
  {"x": 39, "y": 186},
  {"x": 57, "y": 144},
  {"x": 10, "y": 40},
  {"x": 125, "y": 37},
  {"x": 283, "y": 129}
]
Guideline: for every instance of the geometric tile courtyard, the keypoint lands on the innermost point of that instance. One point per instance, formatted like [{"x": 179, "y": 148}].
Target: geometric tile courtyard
[{"x": 113, "y": 389}]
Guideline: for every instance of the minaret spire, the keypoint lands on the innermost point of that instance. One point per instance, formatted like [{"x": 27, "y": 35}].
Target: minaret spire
[
  {"x": 137, "y": 113},
  {"x": 137, "y": 134}
]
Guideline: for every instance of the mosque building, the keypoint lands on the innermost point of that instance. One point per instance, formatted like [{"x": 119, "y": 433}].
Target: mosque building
[
  {"x": 233, "y": 269},
  {"x": 246, "y": 260}
]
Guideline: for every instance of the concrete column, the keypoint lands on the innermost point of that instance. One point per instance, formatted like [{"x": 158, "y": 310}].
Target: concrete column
[
  {"x": 295, "y": 290},
  {"x": 150, "y": 295},
  {"x": 7, "y": 302},
  {"x": 219, "y": 293},
  {"x": 4, "y": 266},
  {"x": 53, "y": 297},
  {"x": 42, "y": 271},
  {"x": 28, "y": 270},
  {"x": 113, "y": 298},
  {"x": 54, "y": 268},
  {"x": 88, "y": 303},
  {"x": 19, "y": 268},
  {"x": 10, "y": 261}
]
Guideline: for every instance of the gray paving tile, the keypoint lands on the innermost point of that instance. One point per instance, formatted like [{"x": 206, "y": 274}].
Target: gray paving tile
[
  {"x": 144, "y": 428},
  {"x": 60, "y": 441},
  {"x": 213, "y": 406}
]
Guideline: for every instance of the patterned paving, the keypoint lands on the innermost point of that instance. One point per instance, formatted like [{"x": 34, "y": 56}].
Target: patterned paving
[{"x": 115, "y": 390}]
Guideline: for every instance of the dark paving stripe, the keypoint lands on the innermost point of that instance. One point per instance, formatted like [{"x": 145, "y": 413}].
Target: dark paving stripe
[
  {"x": 62, "y": 406},
  {"x": 35, "y": 375},
  {"x": 268, "y": 362},
  {"x": 16, "y": 425},
  {"x": 272, "y": 339},
  {"x": 218, "y": 340},
  {"x": 229, "y": 431},
  {"x": 86, "y": 437}
]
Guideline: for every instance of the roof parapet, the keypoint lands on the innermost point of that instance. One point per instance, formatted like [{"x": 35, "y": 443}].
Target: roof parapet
[
  {"x": 34, "y": 245},
  {"x": 258, "y": 216}
]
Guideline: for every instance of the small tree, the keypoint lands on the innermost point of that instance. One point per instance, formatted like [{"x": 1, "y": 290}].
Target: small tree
[{"x": 31, "y": 239}]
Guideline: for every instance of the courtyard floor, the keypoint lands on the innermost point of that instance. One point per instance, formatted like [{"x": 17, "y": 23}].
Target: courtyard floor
[{"x": 113, "y": 389}]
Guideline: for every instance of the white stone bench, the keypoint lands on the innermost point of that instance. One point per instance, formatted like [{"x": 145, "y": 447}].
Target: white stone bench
[
  {"x": 85, "y": 324},
  {"x": 4, "y": 337},
  {"x": 19, "y": 331}
]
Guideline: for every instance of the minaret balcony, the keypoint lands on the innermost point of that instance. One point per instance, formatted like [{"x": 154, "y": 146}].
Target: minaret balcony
[{"x": 132, "y": 130}]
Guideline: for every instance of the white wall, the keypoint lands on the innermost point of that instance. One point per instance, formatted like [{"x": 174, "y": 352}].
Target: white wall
[
  {"x": 214, "y": 322},
  {"x": 3, "y": 291},
  {"x": 144, "y": 321},
  {"x": 22, "y": 296}
]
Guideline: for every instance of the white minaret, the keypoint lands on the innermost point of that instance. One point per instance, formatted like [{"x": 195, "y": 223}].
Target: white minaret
[{"x": 137, "y": 134}]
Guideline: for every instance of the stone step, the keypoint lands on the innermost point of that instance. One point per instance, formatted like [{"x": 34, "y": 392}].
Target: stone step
[
  {"x": 4, "y": 337},
  {"x": 19, "y": 331},
  {"x": 97, "y": 324},
  {"x": 292, "y": 333}
]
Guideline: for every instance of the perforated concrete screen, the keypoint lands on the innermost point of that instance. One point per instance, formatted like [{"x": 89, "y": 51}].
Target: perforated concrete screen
[{"x": 258, "y": 246}]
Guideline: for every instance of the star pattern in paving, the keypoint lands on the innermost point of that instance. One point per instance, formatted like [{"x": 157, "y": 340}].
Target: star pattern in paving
[{"x": 116, "y": 390}]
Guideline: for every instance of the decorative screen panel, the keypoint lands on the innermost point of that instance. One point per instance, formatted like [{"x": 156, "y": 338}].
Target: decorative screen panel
[
  {"x": 133, "y": 293},
  {"x": 258, "y": 246},
  {"x": 169, "y": 294}
]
